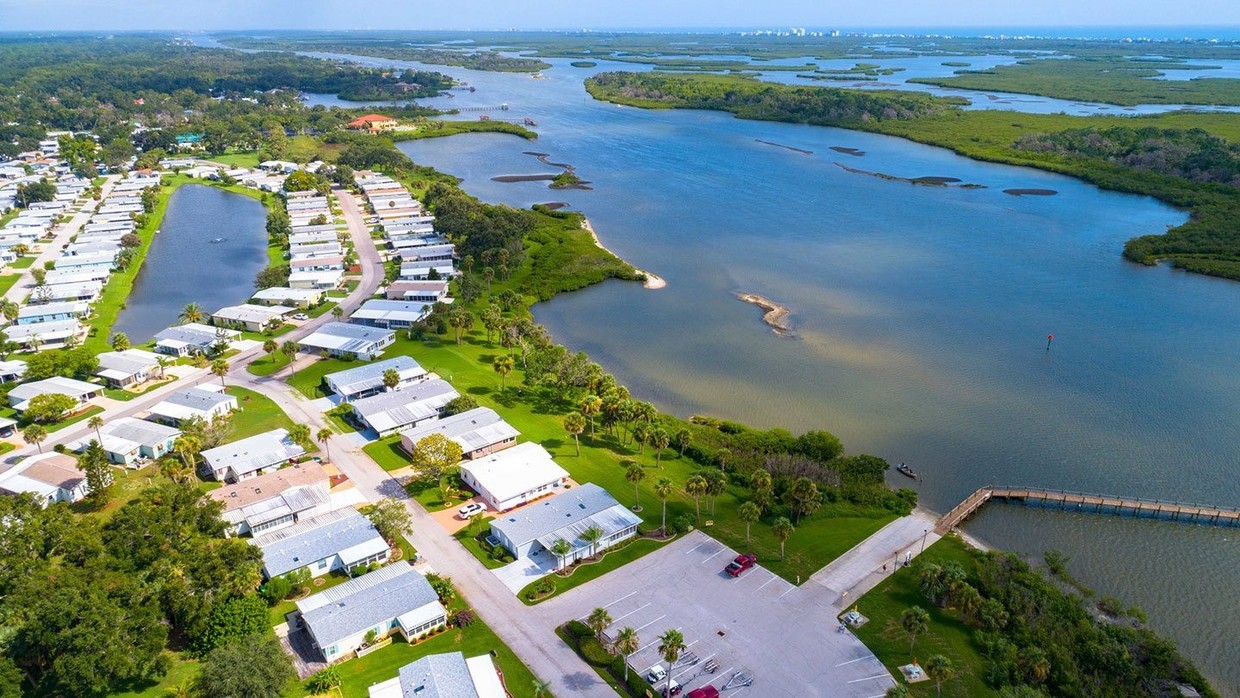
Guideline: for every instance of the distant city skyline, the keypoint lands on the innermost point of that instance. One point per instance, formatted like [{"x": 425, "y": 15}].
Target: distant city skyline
[{"x": 907, "y": 15}]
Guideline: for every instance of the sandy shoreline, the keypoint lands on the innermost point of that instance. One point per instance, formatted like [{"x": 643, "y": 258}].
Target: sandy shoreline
[
  {"x": 652, "y": 281},
  {"x": 773, "y": 314}
]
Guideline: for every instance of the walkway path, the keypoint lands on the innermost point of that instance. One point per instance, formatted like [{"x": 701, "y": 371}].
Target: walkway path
[
  {"x": 60, "y": 237},
  {"x": 857, "y": 571}
]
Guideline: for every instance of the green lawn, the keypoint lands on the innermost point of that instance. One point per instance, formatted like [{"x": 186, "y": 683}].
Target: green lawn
[
  {"x": 237, "y": 159},
  {"x": 267, "y": 364},
  {"x": 612, "y": 560},
  {"x": 74, "y": 419},
  {"x": 387, "y": 453},
  {"x": 258, "y": 413},
  {"x": 7, "y": 281},
  {"x": 948, "y": 636},
  {"x": 181, "y": 674},
  {"x": 308, "y": 380},
  {"x": 479, "y": 549},
  {"x": 23, "y": 262}
]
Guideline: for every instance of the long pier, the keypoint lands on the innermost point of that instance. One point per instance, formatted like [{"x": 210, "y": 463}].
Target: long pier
[{"x": 1093, "y": 503}]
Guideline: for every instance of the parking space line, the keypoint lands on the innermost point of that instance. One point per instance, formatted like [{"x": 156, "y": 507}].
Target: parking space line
[
  {"x": 790, "y": 590},
  {"x": 656, "y": 620},
  {"x": 630, "y": 613},
  {"x": 622, "y": 598},
  {"x": 773, "y": 578},
  {"x": 648, "y": 644},
  {"x": 871, "y": 678},
  {"x": 858, "y": 659},
  {"x": 721, "y": 550},
  {"x": 697, "y": 546}
]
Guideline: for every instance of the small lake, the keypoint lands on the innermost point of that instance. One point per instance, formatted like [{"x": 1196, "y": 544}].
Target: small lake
[{"x": 184, "y": 266}]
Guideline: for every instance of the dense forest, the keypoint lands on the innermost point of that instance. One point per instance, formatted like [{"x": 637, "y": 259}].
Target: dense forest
[
  {"x": 1191, "y": 154},
  {"x": 751, "y": 99}
]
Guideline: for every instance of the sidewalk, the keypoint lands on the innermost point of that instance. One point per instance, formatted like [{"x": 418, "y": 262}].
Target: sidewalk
[{"x": 862, "y": 568}]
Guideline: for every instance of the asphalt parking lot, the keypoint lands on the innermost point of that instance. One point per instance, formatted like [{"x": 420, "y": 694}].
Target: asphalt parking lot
[{"x": 760, "y": 624}]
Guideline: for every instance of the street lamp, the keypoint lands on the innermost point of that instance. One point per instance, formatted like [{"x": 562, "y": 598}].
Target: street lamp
[{"x": 924, "y": 532}]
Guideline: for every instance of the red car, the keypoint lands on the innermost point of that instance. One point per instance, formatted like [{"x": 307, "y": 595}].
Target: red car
[
  {"x": 704, "y": 692},
  {"x": 740, "y": 564}
]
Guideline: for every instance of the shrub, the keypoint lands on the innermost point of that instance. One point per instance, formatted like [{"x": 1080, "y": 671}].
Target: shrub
[
  {"x": 593, "y": 651},
  {"x": 359, "y": 571},
  {"x": 577, "y": 630},
  {"x": 681, "y": 524},
  {"x": 463, "y": 618}
]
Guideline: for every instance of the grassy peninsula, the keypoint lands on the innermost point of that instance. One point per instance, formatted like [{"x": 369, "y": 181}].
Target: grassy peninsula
[
  {"x": 397, "y": 49},
  {"x": 1185, "y": 159},
  {"x": 1118, "y": 80}
]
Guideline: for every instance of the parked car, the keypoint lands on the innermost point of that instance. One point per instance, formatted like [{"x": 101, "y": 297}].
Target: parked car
[
  {"x": 704, "y": 692},
  {"x": 470, "y": 509},
  {"x": 301, "y": 316},
  {"x": 740, "y": 564},
  {"x": 656, "y": 674},
  {"x": 673, "y": 688}
]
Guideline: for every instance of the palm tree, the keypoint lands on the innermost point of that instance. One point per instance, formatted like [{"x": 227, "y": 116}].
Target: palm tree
[
  {"x": 722, "y": 455},
  {"x": 914, "y": 621},
  {"x": 391, "y": 378},
  {"x": 969, "y": 601},
  {"x": 541, "y": 688},
  {"x": 337, "y": 312},
  {"x": 34, "y": 434},
  {"x": 1035, "y": 663},
  {"x": 662, "y": 489},
  {"x": 749, "y": 513},
  {"x": 940, "y": 669},
  {"x": 627, "y": 642},
  {"x": 671, "y": 644},
  {"x": 931, "y": 580},
  {"x": 760, "y": 484},
  {"x": 192, "y": 312},
  {"x": 487, "y": 275},
  {"x": 271, "y": 346},
  {"x": 681, "y": 441},
  {"x": 695, "y": 487},
  {"x": 323, "y": 436},
  {"x": 716, "y": 484},
  {"x": 289, "y": 349},
  {"x": 503, "y": 366},
  {"x": 10, "y": 310},
  {"x": 575, "y": 423},
  {"x": 782, "y": 528},
  {"x": 561, "y": 549},
  {"x": 592, "y": 535},
  {"x": 186, "y": 447},
  {"x": 659, "y": 439},
  {"x": 635, "y": 474},
  {"x": 598, "y": 620},
  {"x": 899, "y": 690},
  {"x": 219, "y": 367},
  {"x": 590, "y": 406},
  {"x": 96, "y": 423}
]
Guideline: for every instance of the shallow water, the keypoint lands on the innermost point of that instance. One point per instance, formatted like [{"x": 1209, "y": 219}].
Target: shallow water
[{"x": 184, "y": 266}]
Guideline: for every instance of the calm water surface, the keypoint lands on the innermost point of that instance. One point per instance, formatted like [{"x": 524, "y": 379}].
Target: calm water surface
[
  {"x": 184, "y": 266},
  {"x": 921, "y": 313}
]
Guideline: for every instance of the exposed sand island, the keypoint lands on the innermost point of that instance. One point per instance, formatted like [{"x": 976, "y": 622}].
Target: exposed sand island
[
  {"x": 1030, "y": 192},
  {"x": 773, "y": 314},
  {"x": 652, "y": 281}
]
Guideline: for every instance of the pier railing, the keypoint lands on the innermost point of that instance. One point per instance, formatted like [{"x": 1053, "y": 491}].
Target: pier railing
[{"x": 1089, "y": 502}]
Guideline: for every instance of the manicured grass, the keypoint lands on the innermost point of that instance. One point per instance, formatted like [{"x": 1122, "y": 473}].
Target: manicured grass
[
  {"x": 947, "y": 636},
  {"x": 276, "y": 614},
  {"x": 7, "y": 281},
  {"x": 612, "y": 560},
  {"x": 237, "y": 159},
  {"x": 74, "y": 419},
  {"x": 470, "y": 541},
  {"x": 318, "y": 310},
  {"x": 23, "y": 262},
  {"x": 257, "y": 413},
  {"x": 360, "y": 674},
  {"x": 267, "y": 364},
  {"x": 387, "y": 453},
  {"x": 180, "y": 674},
  {"x": 308, "y": 380},
  {"x": 125, "y": 396},
  {"x": 438, "y": 129},
  {"x": 5, "y": 447}
]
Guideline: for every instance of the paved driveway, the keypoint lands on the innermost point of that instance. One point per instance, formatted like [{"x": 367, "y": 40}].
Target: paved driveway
[
  {"x": 784, "y": 636},
  {"x": 516, "y": 575}
]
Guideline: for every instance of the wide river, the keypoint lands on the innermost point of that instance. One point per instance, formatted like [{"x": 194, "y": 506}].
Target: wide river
[
  {"x": 921, "y": 314},
  {"x": 184, "y": 266}
]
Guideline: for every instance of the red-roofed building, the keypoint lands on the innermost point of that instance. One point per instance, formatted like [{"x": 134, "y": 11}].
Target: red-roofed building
[{"x": 372, "y": 122}]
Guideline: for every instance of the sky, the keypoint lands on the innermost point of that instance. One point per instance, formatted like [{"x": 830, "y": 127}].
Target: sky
[{"x": 181, "y": 15}]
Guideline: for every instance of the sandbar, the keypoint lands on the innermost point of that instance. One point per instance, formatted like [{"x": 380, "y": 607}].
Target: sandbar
[
  {"x": 773, "y": 313},
  {"x": 848, "y": 151},
  {"x": 1030, "y": 192},
  {"x": 652, "y": 282}
]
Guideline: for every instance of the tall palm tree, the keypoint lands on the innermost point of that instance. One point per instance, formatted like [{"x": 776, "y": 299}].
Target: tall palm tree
[
  {"x": 503, "y": 366},
  {"x": 323, "y": 436},
  {"x": 561, "y": 549},
  {"x": 186, "y": 447},
  {"x": 782, "y": 528},
  {"x": 695, "y": 487},
  {"x": 96, "y": 423},
  {"x": 10, "y": 310},
  {"x": 192, "y": 312},
  {"x": 716, "y": 484},
  {"x": 34, "y": 434},
  {"x": 590, "y": 406},
  {"x": 592, "y": 535},
  {"x": 626, "y": 642},
  {"x": 541, "y": 688},
  {"x": 598, "y": 620},
  {"x": 289, "y": 349},
  {"x": 940, "y": 669},
  {"x": 635, "y": 474},
  {"x": 914, "y": 621},
  {"x": 760, "y": 484},
  {"x": 663, "y": 489},
  {"x": 659, "y": 439},
  {"x": 337, "y": 312},
  {"x": 575, "y": 423},
  {"x": 671, "y": 644},
  {"x": 271, "y": 346},
  {"x": 219, "y": 367},
  {"x": 749, "y": 513}
]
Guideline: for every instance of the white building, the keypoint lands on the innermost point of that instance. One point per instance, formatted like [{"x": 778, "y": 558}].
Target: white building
[
  {"x": 275, "y": 500},
  {"x": 336, "y": 541},
  {"x": 448, "y": 675},
  {"x": 250, "y": 457},
  {"x": 52, "y": 477},
  {"x": 367, "y": 379},
  {"x": 344, "y": 340},
  {"x": 514, "y": 476},
  {"x": 205, "y": 402},
  {"x": 566, "y": 516},
  {"x": 129, "y": 367},
  {"x": 387, "y": 413}
]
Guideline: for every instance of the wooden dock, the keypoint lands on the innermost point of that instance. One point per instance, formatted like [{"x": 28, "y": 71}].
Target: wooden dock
[{"x": 1092, "y": 503}]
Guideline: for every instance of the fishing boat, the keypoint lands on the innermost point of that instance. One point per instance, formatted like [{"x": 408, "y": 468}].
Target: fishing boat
[
  {"x": 905, "y": 470},
  {"x": 217, "y": 240}
]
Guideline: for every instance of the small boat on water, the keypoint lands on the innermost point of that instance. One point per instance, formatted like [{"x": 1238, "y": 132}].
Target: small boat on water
[
  {"x": 217, "y": 240},
  {"x": 905, "y": 470}
]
